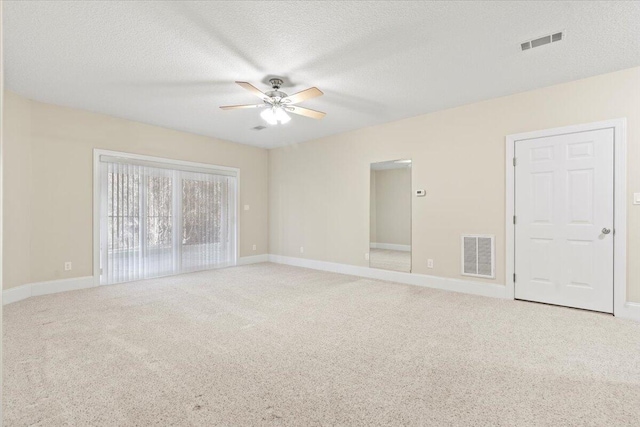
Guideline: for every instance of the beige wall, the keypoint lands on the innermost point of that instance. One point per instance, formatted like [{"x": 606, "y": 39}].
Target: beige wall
[
  {"x": 319, "y": 190},
  {"x": 49, "y": 190},
  {"x": 392, "y": 206},
  {"x": 17, "y": 190}
]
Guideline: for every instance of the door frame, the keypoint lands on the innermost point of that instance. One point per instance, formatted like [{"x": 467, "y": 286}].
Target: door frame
[{"x": 619, "y": 127}]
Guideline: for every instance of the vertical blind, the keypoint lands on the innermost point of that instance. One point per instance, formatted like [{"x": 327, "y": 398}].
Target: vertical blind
[{"x": 162, "y": 219}]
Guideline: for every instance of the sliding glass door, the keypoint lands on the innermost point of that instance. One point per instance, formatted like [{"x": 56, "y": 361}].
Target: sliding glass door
[
  {"x": 158, "y": 219},
  {"x": 206, "y": 235}
]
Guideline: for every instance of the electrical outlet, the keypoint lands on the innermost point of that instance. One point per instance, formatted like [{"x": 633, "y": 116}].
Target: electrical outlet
[
  {"x": 301, "y": 249},
  {"x": 429, "y": 263},
  {"x": 366, "y": 256},
  {"x": 68, "y": 266},
  {"x": 254, "y": 247}
]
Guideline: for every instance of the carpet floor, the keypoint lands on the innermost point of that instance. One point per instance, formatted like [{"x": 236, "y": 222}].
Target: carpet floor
[
  {"x": 390, "y": 260},
  {"x": 268, "y": 344}
]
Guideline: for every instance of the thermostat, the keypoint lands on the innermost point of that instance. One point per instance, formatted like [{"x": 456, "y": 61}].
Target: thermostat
[{"x": 421, "y": 193}]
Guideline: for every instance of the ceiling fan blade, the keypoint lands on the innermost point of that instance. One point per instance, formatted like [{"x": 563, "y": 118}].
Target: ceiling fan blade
[
  {"x": 306, "y": 112},
  {"x": 254, "y": 90},
  {"x": 238, "y": 107},
  {"x": 312, "y": 92}
]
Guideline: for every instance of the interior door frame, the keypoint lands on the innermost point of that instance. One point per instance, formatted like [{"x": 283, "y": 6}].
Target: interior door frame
[
  {"x": 619, "y": 127},
  {"x": 97, "y": 189}
]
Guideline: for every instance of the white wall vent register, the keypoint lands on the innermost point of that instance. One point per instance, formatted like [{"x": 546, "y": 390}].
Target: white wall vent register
[{"x": 478, "y": 255}]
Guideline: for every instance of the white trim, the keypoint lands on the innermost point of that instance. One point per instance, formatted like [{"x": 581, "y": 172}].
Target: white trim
[
  {"x": 444, "y": 283},
  {"x": 254, "y": 259},
  {"x": 96, "y": 216},
  {"x": 390, "y": 246},
  {"x": 20, "y": 293},
  {"x": 621, "y": 308},
  {"x": 630, "y": 310},
  {"x": 16, "y": 294},
  {"x": 163, "y": 160},
  {"x": 96, "y": 196},
  {"x": 63, "y": 285}
]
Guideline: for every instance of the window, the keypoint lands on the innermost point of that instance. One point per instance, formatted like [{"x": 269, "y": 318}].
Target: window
[{"x": 159, "y": 218}]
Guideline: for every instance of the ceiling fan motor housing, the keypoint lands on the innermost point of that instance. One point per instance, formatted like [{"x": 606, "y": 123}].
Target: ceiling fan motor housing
[
  {"x": 276, "y": 83},
  {"x": 276, "y": 93}
]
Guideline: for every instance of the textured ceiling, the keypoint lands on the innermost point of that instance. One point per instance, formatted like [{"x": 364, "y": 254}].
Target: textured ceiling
[{"x": 173, "y": 63}]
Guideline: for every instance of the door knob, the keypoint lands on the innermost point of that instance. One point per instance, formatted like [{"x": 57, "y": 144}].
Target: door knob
[{"x": 606, "y": 230}]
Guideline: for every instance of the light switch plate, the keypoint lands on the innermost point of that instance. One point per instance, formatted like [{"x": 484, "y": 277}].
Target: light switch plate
[
  {"x": 636, "y": 198},
  {"x": 246, "y": 207}
]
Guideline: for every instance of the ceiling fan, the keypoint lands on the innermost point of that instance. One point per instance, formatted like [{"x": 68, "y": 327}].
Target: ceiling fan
[{"x": 277, "y": 104}]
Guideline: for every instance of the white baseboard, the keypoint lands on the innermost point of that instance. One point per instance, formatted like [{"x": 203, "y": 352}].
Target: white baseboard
[
  {"x": 444, "y": 283},
  {"x": 630, "y": 311},
  {"x": 255, "y": 259},
  {"x": 16, "y": 294},
  {"x": 63, "y": 285},
  {"x": 19, "y": 293},
  {"x": 390, "y": 246}
]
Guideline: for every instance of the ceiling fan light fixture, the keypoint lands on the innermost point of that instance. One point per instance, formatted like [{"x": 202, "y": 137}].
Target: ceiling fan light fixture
[
  {"x": 275, "y": 115},
  {"x": 269, "y": 116},
  {"x": 279, "y": 103},
  {"x": 282, "y": 116}
]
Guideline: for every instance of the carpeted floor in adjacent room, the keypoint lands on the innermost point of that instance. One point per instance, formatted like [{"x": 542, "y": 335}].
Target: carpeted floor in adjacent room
[{"x": 268, "y": 344}]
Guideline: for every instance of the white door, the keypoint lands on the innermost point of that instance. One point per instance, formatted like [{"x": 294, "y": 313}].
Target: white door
[{"x": 564, "y": 220}]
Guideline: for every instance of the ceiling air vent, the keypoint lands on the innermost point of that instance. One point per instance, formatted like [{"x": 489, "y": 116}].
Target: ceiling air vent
[
  {"x": 259, "y": 127},
  {"x": 541, "y": 41},
  {"x": 478, "y": 253}
]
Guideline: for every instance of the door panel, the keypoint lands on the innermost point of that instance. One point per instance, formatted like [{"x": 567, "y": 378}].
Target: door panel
[{"x": 563, "y": 201}]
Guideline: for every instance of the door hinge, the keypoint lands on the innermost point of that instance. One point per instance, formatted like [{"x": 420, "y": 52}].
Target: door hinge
[
  {"x": 514, "y": 277},
  {"x": 514, "y": 161},
  {"x": 514, "y": 219}
]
